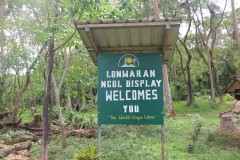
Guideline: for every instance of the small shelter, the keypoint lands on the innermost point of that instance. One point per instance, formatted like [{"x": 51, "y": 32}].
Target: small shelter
[
  {"x": 130, "y": 46},
  {"x": 150, "y": 43},
  {"x": 234, "y": 88}
]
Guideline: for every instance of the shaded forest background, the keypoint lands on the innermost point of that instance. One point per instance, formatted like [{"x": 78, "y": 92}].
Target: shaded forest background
[
  {"x": 207, "y": 36},
  {"x": 44, "y": 63}
]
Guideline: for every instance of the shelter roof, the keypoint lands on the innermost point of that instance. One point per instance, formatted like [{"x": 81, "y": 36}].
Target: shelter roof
[
  {"x": 130, "y": 36},
  {"x": 236, "y": 80}
]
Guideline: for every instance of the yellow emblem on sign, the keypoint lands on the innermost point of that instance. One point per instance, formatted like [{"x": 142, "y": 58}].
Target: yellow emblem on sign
[{"x": 128, "y": 60}]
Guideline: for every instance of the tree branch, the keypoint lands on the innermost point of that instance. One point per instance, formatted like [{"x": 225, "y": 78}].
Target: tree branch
[
  {"x": 181, "y": 60},
  {"x": 57, "y": 48}
]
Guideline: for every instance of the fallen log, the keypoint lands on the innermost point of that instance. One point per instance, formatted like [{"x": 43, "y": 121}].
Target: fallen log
[
  {"x": 77, "y": 132},
  {"x": 5, "y": 126},
  {"x": 19, "y": 155},
  {"x": 5, "y": 114},
  {"x": 81, "y": 133},
  {"x": 14, "y": 124},
  {"x": 57, "y": 123},
  {"x": 20, "y": 138},
  {"x": 16, "y": 147},
  {"x": 27, "y": 128}
]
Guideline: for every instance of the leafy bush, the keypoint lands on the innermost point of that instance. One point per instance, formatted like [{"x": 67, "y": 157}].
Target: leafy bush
[
  {"x": 228, "y": 98},
  {"x": 70, "y": 116},
  {"x": 196, "y": 105},
  {"x": 215, "y": 105},
  {"x": 87, "y": 154},
  {"x": 201, "y": 97},
  {"x": 54, "y": 115},
  {"x": 194, "y": 136}
]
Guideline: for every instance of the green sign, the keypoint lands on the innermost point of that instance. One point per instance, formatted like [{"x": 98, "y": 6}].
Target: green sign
[{"x": 130, "y": 89}]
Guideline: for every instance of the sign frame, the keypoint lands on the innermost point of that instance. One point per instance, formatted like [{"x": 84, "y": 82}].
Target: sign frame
[{"x": 130, "y": 89}]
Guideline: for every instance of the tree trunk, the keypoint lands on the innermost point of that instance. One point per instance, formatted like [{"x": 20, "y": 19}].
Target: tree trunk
[
  {"x": 188, "y": 80},
  {"x": 235, "y": 26},
  {"x": 91, "y": 96},
  {"x": 60, "y": 116},
  {"x": 19, "y": 97},
  {"x": 96, "y": 100},
  {"x": 21, "y": 92},
  {"x": 58, "y": 102},
  {"x": 156, "y": 9},
  {"x": 167, "y": 92},
  {"x": 33, "y": 104},
  {"x": 175, "y": 73},
  {"x": 47, "y": 101},
  {"x": 1, "y": 27},
  {"x": 69, "y": 103},
  {"x": 189, "y": 84},
  {"x": 213, "y": 97},
  {"x": 218, "y": 82},
  {"x": 83, "y": 98}
]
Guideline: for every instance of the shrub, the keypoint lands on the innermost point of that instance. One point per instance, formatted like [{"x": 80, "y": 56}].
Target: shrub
[
  {"x": 215, "y": 105},
  {"x": 87, "y": 154},
  {"x": 70, "y": 116},
  {"x": 228, "y": 98},
  {"x": 194, "y": 136}
]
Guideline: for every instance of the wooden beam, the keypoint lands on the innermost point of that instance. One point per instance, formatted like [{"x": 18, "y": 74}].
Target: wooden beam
[
  {"x": 128, "y": 25},
  {"x": 146, "y": 48},
  {"x": 165, "y": 40},
  {"x": 94, "y": 57},
  {"x": 90, "y": 37}
]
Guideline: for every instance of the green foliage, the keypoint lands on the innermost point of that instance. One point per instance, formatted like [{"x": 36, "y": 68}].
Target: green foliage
[
  {"x": 228, "y": 98},
  {"x": 201, "y": 105},
  {"x": 144, "y": 142},
  {"x": 35, "y": 21},
  {"x": 87, "y": 154},
  {"x": 2, "y": 154},
  {"x": 70, "y": 116},
  {"x": 88, "y": 120},
  {"x": 10, "y": 134},
  {"x": 91, "y": 122},
  {"x": 26, "y": 115},
  {"x": 215, "y": 105},
  {"x": 194, "y": 136}
]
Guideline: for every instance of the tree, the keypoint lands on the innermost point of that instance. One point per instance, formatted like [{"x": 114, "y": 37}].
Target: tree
[
  {"x": 53, "y": 24},
  {"x": 167, "y": 91},
  {"x": 206, "y": 29},
  {"x": 183, "y": 41},
  {"x": 235, "y": 26},
  {"x": 236, "y": 30},
  {"x": 2, "y": 9},
  {"x": 47, "y": 102}
]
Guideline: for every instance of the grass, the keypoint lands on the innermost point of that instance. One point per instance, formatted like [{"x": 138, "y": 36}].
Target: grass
[{"x": 125, "y": 143}]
